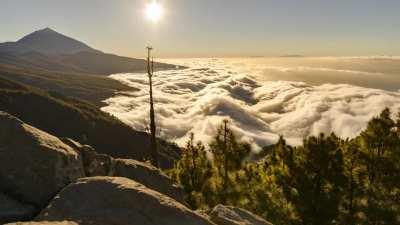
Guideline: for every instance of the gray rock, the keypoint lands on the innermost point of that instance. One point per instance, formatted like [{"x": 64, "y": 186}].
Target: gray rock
[
  {"x": 94, "y": 164},
  {"x": 227, "y": 215},
  {"x": 12, "y": 210},
  {"x": 149, "y": 176},
  {"x": 34, "y": 165},
  {"x": 103, "y": 165},
  {"x": 117, "y": 201}
]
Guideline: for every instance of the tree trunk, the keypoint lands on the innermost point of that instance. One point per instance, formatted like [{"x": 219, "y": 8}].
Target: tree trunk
[{"x": 153, "y": 140}]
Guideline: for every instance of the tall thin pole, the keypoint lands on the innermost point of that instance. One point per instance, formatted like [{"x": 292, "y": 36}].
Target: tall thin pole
[
  {"x": 225, "y": 181},
  {"x": 153, "y": 141}
]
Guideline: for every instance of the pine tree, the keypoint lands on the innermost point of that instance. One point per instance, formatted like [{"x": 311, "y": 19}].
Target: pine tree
[
  {"x": 353, "y": 191},
  {"x": 193, "y": 171},
  {"x": 261, "y": 193},
  {"x": 282, "y": 154},
  {"x": 316, "y": 180},
  {"x": 325, "y": 181},
  {"x": 380, "y": 147},
  {"x": 229, "y": 155}
]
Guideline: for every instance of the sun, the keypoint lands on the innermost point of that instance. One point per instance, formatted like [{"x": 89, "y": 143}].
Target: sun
[{"x": 154, "y": 11}]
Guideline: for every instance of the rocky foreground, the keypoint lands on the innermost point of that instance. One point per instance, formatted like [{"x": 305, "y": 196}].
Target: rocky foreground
[{"x": 49, "y": 180}]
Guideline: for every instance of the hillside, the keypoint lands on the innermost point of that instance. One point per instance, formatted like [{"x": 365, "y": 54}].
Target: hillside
[
  {"x": 106, "y": 64},
  {"x": 91, "y": 63},
  {"x": 91, "y": 88},
  {"x": 67, "y": 117}
]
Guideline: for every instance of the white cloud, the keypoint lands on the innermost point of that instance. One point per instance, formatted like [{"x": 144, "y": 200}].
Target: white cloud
[{"x": 198, "y": 99}]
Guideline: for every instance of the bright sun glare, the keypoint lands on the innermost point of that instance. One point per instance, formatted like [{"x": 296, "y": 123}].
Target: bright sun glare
[{"x": 154, "y": 11}]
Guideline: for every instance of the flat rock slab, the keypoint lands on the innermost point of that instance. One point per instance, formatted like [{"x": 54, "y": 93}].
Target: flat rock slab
[
  {"x": 149, "y": 176},
  {"x": 117, "y": 201},
  {"x": 227, "y": 215}
]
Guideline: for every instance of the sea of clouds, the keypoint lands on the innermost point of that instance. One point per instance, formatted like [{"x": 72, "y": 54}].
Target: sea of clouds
[{"x": 262, "y": 99}]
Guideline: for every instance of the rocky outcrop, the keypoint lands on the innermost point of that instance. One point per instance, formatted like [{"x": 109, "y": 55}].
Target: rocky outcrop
[
  {"x": 149, "y": 176},
  {"x": 35, "y": 165},
  {"x": 227, "y": 215},
  {"x": 12, "y": 210},
  {"x": 103, "y": 165},
  {"x": 94, "y": 164},
  {"x": 117, "y": 201}
]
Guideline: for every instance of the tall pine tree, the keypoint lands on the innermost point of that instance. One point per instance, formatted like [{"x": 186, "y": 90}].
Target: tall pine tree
[
  {"x": 193, "y": 171},
  {"x": 316, "y": 180}
]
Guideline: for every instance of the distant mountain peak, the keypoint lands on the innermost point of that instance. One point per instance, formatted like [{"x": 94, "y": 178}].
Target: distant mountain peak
[
  {"x": 48, "y": 29},
  {"x": 46, "y": 41},
  {"x": 40, "y": 34}
]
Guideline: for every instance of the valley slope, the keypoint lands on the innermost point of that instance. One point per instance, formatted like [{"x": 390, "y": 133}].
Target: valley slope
[{"x": 81, "y": 121}]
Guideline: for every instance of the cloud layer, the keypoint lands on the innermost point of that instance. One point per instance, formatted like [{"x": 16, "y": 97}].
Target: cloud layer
[{"x": 198, "y": 99}]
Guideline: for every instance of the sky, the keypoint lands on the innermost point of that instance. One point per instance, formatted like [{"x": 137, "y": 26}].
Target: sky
[{"x": 215, "y": 28}]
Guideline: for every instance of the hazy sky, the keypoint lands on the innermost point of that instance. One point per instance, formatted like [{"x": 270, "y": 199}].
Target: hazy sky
[{"x": 215, "y": 27}]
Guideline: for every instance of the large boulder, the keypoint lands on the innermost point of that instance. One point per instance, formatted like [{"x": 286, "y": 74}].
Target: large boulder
[
  {"x": 117, "y": 201},
  {"x": 12, "y": 210},
  {"x": 103, "y": 165},
  {"x": 228, "y": 215},
  {"x": 149, "y": 176},
  {"x": 94, "y": 164},
  {"x": 34, "y": 165}
]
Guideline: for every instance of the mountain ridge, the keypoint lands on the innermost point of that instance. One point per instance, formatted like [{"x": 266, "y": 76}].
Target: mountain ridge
[
  {"x": 46, "y": 41},
  {"x": 47, "y": 49}
]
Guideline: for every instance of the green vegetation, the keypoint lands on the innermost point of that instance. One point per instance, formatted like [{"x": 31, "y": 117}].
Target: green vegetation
[{"x": 327, "y": 180}]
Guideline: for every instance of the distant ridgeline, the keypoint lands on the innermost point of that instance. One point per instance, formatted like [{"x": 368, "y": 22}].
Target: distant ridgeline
[{"x": 46, "y": 49}]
